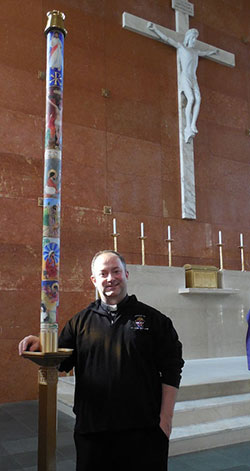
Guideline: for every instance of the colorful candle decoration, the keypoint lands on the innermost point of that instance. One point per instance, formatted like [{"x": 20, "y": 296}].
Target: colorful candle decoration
[{"x": 55, "y": 33}]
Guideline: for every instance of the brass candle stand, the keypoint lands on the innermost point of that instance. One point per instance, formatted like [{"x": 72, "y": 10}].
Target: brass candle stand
[
  {"x": 142, "y": 239},
  {"x": 47, "y": 415},
  {"x": 115, "y": 236},
  {"x": 169, "y": 241},
  {"x": 241, "y": 247},
  {"x": 220, "y": 245}
]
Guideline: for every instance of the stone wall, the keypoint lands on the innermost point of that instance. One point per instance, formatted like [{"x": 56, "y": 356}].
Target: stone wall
[{"x": 120, "y": 149}]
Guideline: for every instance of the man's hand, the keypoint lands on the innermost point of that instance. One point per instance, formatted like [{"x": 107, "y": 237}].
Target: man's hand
[
  {"x": 166, "y": 425},
  {"x": 167, "y": 408},
  {"x": 30, "y": 343}
]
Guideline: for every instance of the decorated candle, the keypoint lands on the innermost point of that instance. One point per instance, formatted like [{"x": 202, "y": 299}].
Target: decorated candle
[{"x": 55, "y": 33}]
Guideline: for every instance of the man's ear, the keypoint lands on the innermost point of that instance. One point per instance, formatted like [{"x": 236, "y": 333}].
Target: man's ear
[
  {"x": 127, "y": 274},
  {"x": 93, "y": 279}
]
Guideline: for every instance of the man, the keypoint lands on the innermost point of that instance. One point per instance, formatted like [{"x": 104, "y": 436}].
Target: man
[
  {"x": 188, "y": 57},
  {"x": 128, "y": 361}
]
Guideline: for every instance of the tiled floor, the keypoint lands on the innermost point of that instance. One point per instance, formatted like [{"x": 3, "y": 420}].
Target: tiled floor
[{"x": 18, "y": 445}]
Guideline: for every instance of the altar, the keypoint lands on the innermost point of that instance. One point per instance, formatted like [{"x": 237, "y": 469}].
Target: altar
[{"x": 211, "y": 322}]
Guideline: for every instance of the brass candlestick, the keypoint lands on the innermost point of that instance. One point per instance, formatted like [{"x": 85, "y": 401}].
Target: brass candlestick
[
  {"x": 220, "y": 245},
  {"x": 169, "y": 241},
  {"x": 115, "y": 236},
  {"x": 47, "y": 416},
  {"x": 241, "y": 247},
  {"x": 142, "y": 239}
]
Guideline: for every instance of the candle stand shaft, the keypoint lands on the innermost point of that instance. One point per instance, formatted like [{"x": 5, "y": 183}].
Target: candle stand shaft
[
  {"x": 242, "y": 257},
  {"x": 169, "y": 241},
  {"x": 115, "y": 237},
  {"x": 47, "y": 417},
  {"x": 221, "y": 255},
  {"x": 142, "y": 249},
  {"x": 47, "y": 379}
]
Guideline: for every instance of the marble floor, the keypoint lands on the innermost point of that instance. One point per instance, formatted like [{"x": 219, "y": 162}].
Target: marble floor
[{"x": 18, "y": 445}]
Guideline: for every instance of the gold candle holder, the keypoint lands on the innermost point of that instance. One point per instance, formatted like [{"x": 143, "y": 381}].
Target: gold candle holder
[
  {"x": 115, "y": 237},
  {"x": 142, "y": 239},
  {"x": 169, "y": 241},
  {"x": 241, "y": 247},
  {"x": 220, "y": 245}
]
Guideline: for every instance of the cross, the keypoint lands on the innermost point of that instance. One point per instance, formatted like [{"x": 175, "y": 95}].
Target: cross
[{"x": 183, "y": 9}]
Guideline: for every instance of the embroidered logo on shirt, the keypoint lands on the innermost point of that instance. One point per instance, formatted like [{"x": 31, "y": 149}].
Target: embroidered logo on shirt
[{"x": 139, "y": 323}]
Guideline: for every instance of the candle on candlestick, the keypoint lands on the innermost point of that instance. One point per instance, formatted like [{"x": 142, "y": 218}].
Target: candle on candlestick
[
  {"x": 114, "y": 226},
  {"x": 169, "y": 232},
  {"x": 142, "y": 229},
  {"x": 220, "y": 238},
  {"x": 241, "y": 240},
  {"x": 220, "y": 250},
  {"x": 142, "y": 237}
]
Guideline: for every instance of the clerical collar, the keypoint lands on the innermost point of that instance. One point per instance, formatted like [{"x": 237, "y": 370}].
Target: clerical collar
[
  {"x": 109, "y": 307},
  {"x": 114, "y": 307}
]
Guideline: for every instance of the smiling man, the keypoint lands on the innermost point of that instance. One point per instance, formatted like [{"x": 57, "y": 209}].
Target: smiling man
[{"x": 128, "y": 362}]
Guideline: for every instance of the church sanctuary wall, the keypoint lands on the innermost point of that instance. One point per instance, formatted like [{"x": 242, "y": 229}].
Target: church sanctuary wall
[
  {"x": 209, "y": 325},
  {"x": 120, "y": 150}
]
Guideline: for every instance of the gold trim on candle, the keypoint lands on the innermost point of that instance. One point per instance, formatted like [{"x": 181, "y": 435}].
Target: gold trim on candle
[{"x": 55, "y": 21}]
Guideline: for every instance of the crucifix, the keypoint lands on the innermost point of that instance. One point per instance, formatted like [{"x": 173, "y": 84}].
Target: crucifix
[{"x": 188, "y": 52}]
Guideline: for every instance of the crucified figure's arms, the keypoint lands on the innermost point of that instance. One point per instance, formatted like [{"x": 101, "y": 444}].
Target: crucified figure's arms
[
  {"x": 208, "y": 53},
  {"x": 162, "y": 36}
]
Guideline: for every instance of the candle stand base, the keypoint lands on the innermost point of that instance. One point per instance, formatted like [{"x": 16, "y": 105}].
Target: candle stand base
[{"x": 47, "y": 417}]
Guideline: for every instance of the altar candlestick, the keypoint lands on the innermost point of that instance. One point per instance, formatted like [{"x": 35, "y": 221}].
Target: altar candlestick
[
  {"x": 220, "y": 245},
  {"x": 115, "y": 235},
  {"x": 169, "y": 241},
  {"x": 142, "y": 238},
  {"x": 241, "y": 247}
]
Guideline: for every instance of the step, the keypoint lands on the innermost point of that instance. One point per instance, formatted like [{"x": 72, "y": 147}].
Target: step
[
  {"x": 211, "y": 377},
  {"x": 209, "y": 435},
  {"x": 211, "y": 409}
]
